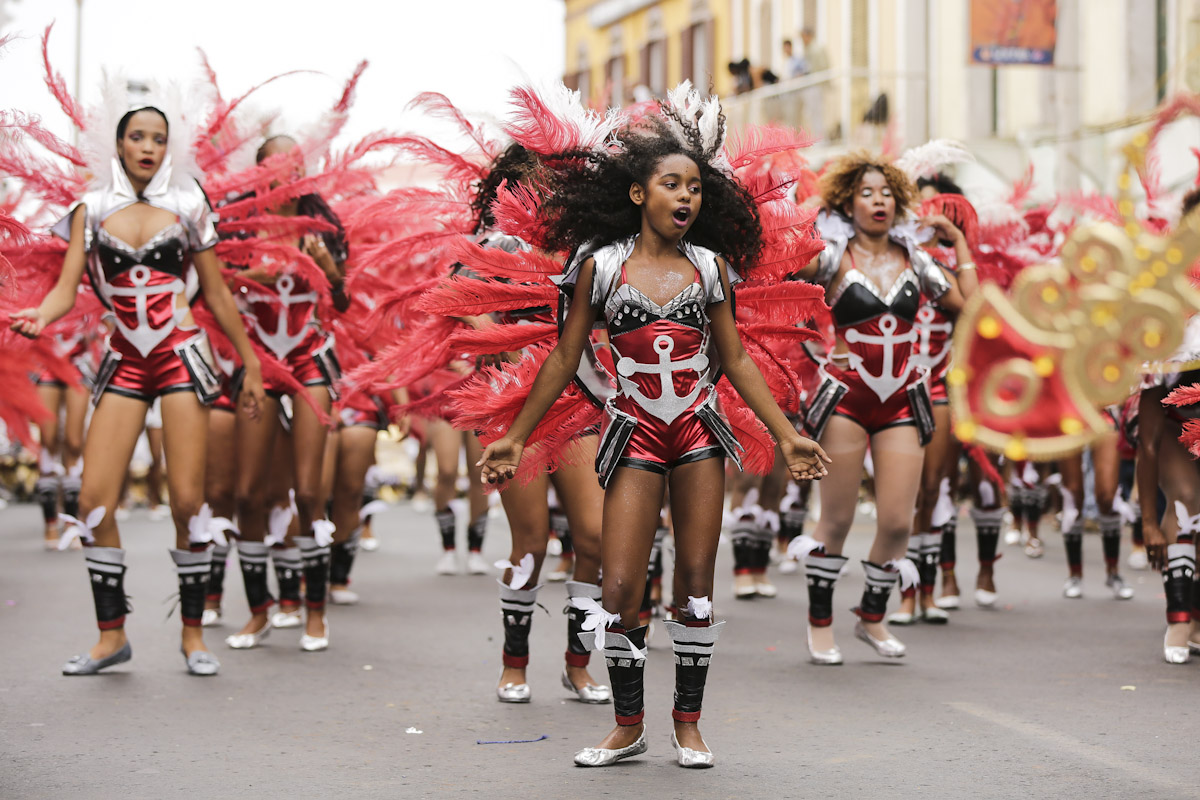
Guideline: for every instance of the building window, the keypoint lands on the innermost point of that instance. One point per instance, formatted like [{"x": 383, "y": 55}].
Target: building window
[{"x": 616, "y": 80}]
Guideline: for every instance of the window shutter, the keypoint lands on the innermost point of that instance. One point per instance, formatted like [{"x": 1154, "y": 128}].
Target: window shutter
[{"x": 685, "y": 37}]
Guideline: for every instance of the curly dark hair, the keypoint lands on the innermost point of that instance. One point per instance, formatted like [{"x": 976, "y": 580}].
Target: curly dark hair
[
  {"x": 589, "y": 197},
  {"x": 515, "y": 165},
  {"x": 840, "y": 182}
]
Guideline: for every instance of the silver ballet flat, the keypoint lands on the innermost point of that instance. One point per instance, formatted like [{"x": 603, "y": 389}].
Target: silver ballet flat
[
  {"x": 934, "y": 616},
  {"x": 599, "y": 757},
  {"x": 513, "y": 693},
  {"x": 1194, "y": 646},
  {"x": 689, "y": 758},
  {"x": 315, "y": 644},
  {"x": 201, "y": 662},
  {"x": 986, "y": 599},
  {"x": 901, "y": 618},
  {"x": 86, "y": 665},
  {"x": 823, "y": 657},
  {"x": 286, "y": 619},
  {"x": 950, "y": 602},
  {"x": 247, "y": 641},
  {"x": 890, "y": 647},
  {"x": 210, "y": 618},
  {"x": 1175, "y": 655},
  {"x": 595, "y": 693}
]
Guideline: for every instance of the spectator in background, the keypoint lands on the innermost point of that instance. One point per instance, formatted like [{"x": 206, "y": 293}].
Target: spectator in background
[{"x": 796, "y": 65}]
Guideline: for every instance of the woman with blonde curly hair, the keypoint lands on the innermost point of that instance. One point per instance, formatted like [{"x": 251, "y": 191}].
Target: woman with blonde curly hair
[{"x": 871, "y": 393}]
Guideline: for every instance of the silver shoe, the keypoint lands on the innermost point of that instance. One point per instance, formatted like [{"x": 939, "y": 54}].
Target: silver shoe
[
  {"x": 689, "y": 758},
  {"x": 86, "y": 665},
  {"x": 890, "y": 647},
  {"x": 599, "y": 757},
  {"x": 1121, "y": 591},
  {"x": 1194, "y": 646},
  {"x": 902, "y": 618},
  {"x": 594, "y": 693},
  {"x": 248, "y": 641},
  {"x": 315, "y": 644},
  {"x": 343, "y": 597},
  {"x": 1175, "y": 655},
  {"x": 287, "y": 619},
  {"x": 985, "y": 599},
  {"x": 1073, "y": 588},
  {"x": 210, "y": 618},
  {"x": 201, "y": 662},
  {"x": 823, "y": 657},
  {"x": 513, "y": 693},
  {"x": 934, "y": 616},
  {"x": 949, "y": 602}
]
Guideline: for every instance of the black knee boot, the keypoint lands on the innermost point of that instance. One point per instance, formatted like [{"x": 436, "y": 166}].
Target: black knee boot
[
  {"x": 106, "y": 568},
  {"x": 625, "y": 655},
  {"x": 288, "y": 569},
  {"x": 316, "y": 571},
  {"x": 987, "y": 523},
  {"x": 45, "y": 494},
  {"x": 475, "y": 533},
  {"x": 878, "y": 588},
  {"x": 693, "y": 642},
  {"x": 71, "y": 487},
  {"x": 341, "y": 559},
  {"x": 252, "y": 558},
  {"x": 1178, "y": 581},
  {"x": 930, "y": 557},
  {"x": 216, "y": 577},
  {"x": 193, "y": 570},
  {"x": 446, "y": 527},
  {"x": 821, "y": 573}
]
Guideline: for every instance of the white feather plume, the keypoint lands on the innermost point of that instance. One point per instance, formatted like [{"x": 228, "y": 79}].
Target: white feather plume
[{"x": 923, "y": 161}]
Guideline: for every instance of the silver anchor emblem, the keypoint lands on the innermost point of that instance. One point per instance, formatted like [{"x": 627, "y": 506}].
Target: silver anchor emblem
[
  {"x": 144, "y": 336},
  {"x": 925, "y": 328},
  {"x": 668, "y": 405},
  {"x": 885, "y": 384},
  {"x": 281, "y": 342}
]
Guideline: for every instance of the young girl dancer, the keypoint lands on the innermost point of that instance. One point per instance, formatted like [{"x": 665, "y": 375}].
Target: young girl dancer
[
  {"x": 660, "y": 226},
  {"x": 146, "y": 234}
]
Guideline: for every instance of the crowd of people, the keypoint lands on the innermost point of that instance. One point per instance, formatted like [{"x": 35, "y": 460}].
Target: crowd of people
[{"x": 599, "y": 314}]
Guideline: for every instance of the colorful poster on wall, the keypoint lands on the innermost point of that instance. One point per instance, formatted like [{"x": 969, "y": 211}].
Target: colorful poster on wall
[{"x": 1012, "y": 32}]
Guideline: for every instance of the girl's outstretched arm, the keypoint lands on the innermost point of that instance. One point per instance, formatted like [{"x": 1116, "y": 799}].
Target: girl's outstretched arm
[
  {"x": 499, "y": 461},
  {"x": 805, "y": 458},
  {"x": 31, "y": 321}
]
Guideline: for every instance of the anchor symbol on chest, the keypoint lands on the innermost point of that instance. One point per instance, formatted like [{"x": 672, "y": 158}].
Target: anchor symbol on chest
[
  {"x": 144, "y": 336},
  {"x": 886, "y": 383},
  {"x": 280, "y": 340},
  {"x": 925, "y": 328},
  {"x": 668, "y": 405}
]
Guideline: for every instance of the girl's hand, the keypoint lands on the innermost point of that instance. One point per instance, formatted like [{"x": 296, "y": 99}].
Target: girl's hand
[
  {"x": 500, "y": 460},
  {"x": 805, "y": 459},
  {"x": 314, "y": 247},
  {"x": 944, "y": 229},
  {"x": 1156, "y": 545},
  {"x": 28, "y": 322},
  {"x": 403, "y": 425},
  {"x": 252, "y": 395}
]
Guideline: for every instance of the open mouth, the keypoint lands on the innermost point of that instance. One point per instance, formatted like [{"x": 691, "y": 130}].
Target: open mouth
[
  {"x": 879, "y": 216},
  {"x": 682, "y": 215},
  {"x": 146, "y": 163}
]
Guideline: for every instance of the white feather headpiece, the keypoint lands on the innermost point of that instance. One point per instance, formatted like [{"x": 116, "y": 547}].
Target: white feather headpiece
[
  {"x": 924, "y": 161},
  {"x": 697, "y": 122},
  {"x": 118, "y": 96}
]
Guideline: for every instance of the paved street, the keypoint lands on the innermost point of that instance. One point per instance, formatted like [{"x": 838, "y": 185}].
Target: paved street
[{"x": 1044, "y": 698}]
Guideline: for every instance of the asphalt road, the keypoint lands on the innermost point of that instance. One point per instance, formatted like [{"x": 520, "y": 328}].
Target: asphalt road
[{"x": 1043, "y": 697}]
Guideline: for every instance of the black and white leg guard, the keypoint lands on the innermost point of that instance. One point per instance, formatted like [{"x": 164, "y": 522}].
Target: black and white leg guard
[
  {"x": 72, "y": 485},
  {"x": 446, "y": 527},
  {"x": 341, "y": 559},
  {"x": 1073, "y": 541},
  {"x": 821, "y": 573},
  {"x": 475, "y": 533},
  {"x": 288, "y": 569},
  {"x": 216, "y": 576},
  {"x": 316, "y": 571},
  {"x": 744, "y": 538},
  {"x": 578, "y": 654},
  {"x": 1178, "y": 579},
  {"x": 516, "y": 610},
  {"x": 252, "y": 558},
  {"x": 913, "y": 554},
  {"x": 45, "y": 494},
  {"x": 880, "y": 581},
  {"x": 625, "y": 655},
  {"x": 948, "y": 551},
  {"x": 930, "y": 556},
  {"x": 791, "y": 521},
  {"x": 106, "y": 568},
  {"x": 987, "y": 523},
  {"x": 693, "y": 642},
  {"x": 1110, "y": 537},
  {"x": 193, "y": 570}
]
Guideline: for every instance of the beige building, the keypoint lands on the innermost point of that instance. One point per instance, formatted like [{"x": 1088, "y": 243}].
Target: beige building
[{"x": 897, "y": 73}]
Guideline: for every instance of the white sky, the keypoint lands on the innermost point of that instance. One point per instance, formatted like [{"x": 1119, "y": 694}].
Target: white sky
[{"x": 473, "y": 51}]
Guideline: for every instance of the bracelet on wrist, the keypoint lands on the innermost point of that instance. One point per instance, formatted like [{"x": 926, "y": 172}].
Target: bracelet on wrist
[{"x": 966, "y": 265}]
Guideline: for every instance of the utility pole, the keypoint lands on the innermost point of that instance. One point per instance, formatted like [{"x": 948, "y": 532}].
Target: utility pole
[{"x": 78, "y": 62}]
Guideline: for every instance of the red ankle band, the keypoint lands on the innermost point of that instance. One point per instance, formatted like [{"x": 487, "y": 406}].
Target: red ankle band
[
  {"x": 1178, "y": 616},
  {"x": 743, "y": 571},
  {"x": 820, "y": 623},
  {"x": 112, "y": 624},
  {"x": 213, "y": 598},
  {"x": 636, "y": 719},
  {"x": 578, "y": 659},
  {"x": 685, "y": 716},
  {"x": 189, "y": 622},
  {"x": 516, "y": 662}
]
